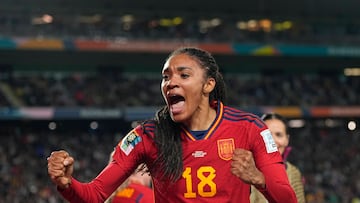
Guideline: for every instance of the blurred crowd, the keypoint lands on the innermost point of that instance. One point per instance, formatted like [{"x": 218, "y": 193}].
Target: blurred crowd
[
  {"x": 328, "y": 161},
  {"x": 116, "y": 90},
  {"x": 23, "y": 165}
]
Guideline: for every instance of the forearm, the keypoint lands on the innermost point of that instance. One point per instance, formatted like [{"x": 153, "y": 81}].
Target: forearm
[
  {"x": 79, "y": 192},
  {"x": 98, "y": 189},
  {"x": 277, "y": 189}
]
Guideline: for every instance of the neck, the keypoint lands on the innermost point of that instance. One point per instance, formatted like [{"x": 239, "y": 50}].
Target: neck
[{"x": 202, "y": 119}]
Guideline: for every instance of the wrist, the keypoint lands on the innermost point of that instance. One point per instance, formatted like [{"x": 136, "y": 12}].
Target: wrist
[
  {"x": 261, "y": 187},
  {"x": 259, "y": 182},
  {"x": 64, "y": 184}
]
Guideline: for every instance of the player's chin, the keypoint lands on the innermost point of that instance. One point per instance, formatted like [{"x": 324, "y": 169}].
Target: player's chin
[{"x": 177, "y": 117}]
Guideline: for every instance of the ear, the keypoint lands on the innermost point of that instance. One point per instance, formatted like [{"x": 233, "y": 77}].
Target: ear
[{"x": 209, "y": 85}]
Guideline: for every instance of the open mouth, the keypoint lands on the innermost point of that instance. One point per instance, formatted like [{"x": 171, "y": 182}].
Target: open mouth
[
  {"x": 176, "y": 104},
  {"x": 174, "y": 99}
]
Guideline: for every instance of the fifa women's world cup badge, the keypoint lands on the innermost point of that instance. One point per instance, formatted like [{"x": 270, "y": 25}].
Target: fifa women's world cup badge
[
  {"x": 226, "y": 148},
  {"x": 129, "y": 142}
]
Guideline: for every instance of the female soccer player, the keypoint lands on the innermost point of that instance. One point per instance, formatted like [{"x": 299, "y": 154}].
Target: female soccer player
[{"x": 196, "y": 148}]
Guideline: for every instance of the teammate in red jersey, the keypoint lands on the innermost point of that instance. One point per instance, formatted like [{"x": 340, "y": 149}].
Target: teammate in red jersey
[
  {"x": 196, "y": 148},
  {"x": 136, "y": 189}
]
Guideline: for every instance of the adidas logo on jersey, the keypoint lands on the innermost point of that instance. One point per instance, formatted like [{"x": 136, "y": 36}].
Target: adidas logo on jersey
[{"x": 198, "y": 154}]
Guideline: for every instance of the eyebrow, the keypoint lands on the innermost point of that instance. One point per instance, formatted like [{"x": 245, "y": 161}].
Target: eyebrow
[{"x": 180, "y": 68}]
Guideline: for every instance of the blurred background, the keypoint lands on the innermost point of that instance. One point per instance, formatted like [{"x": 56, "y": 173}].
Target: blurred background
[{"x": 77, "y": 75}]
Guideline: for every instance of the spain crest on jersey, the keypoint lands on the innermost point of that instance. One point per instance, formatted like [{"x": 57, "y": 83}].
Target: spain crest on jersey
[
  {"x": 226, "y": 148},
  {"x": 129, "y": 142}
]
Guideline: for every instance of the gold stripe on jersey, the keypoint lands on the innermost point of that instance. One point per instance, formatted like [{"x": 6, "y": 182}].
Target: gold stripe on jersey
[
  {"x": 219, "y": 115},
  {"x": 220, "y": 112}
]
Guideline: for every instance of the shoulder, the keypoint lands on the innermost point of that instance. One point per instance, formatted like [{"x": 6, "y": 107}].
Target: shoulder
[
  {"x": 237, "y": 115},
  {"x": 140, "y": 187},
  {"x": 292, "y": 168},
  {"x": 296, "y": 180},
  {"x": 293, "y": 171},
  {"x": 134, "y": 193},
  {"x": 147, "y": 128},
  {"x": 140, "y": 134}
]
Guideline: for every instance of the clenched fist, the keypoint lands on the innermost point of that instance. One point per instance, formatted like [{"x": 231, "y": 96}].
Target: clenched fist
[
  {"x": 243, "y": 166},
  {"x": 60, "y": 168}
]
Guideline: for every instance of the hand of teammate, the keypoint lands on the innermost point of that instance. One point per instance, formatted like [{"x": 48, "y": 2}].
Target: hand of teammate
[
  {"x": 60, "y": 168},
  {"x": 243, "y": 166}
]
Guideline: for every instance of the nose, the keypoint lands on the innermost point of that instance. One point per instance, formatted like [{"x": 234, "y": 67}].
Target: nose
[{"x": 172, "y": 83}]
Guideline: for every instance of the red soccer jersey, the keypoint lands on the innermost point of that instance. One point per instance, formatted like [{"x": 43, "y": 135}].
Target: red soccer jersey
[
  {"x": 206, "y": 176},
  {"x": 134, "y": 193}
]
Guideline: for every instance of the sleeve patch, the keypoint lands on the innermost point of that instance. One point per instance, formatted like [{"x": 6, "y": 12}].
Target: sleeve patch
[
  {"x": 269, "y": 141},
  {"x": 129, "y": 142}
]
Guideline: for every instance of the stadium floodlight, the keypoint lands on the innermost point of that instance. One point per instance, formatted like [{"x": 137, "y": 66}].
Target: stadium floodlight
[{"x": 352, "y": 125}]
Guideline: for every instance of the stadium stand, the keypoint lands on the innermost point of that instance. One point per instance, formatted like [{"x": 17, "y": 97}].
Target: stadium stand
[
  {"x": 56, "y": 99},
  {"x": 245, "y": 21},
  {"x": 84, "y": 89}
]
